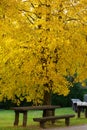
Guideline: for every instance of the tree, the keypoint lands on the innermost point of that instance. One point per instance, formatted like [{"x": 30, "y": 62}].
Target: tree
[{"x": 42, "y": 41}]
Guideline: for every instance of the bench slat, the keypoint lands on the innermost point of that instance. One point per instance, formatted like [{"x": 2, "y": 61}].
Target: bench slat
[{"x": 53, "y": 117}]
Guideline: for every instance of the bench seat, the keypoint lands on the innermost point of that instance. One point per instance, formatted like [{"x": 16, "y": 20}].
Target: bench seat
[{"x": 42, "y": 120}]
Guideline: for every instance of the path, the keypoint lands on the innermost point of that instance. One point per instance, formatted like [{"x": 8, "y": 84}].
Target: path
[{"x": 82, "y": 127}]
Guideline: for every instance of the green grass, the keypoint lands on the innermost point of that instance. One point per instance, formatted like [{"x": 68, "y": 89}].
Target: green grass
[{"x": 7, "y": 119}]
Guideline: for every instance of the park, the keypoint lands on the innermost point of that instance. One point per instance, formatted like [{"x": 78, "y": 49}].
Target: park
[{"x": 43, "y": 57}]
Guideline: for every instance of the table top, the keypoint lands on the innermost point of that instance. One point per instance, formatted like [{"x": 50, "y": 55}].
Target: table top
[
  {"x": 82, "y": 104},
  {"x": 44, "y": 107},
  {"x": 75, "y": 100}
]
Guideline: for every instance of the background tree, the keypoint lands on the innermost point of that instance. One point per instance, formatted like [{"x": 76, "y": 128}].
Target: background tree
[{"x": 42, "y": 41}]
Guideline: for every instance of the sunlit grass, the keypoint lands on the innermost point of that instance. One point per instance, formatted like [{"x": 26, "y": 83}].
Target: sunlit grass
[{"x": 7, "y": 119}]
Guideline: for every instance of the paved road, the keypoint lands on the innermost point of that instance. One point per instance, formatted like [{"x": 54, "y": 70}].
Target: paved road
[{"x": 82, "y": 127}]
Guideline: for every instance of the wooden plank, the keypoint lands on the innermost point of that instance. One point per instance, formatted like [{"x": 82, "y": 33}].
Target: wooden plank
[
  {"x": 47, "y": 107},
  {"x": 53, "y": 117}
]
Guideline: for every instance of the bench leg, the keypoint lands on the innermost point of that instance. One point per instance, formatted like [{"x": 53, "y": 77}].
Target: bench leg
[
  {"x": 25, "y": 118},
  {"x": 53, "y": 121},
  {"x": 67, "y": 121},
  {"x": 49, "y": 113},
  {"x": 86, "y": 113},
  {"x": 42, "y": 124},
  {"x": 78, "y": 111},
  {"x": 16, "y": 118}
]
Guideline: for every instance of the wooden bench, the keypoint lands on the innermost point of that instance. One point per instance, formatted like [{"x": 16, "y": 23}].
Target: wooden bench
[{"x": 42, "y": 120}]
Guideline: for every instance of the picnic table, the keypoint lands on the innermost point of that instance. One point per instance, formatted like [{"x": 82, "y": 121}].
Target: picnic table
[
  {"x": 24, "y": 110},
  {"x": 74, "y": 103},
  {"x": 80, "y": 106}
]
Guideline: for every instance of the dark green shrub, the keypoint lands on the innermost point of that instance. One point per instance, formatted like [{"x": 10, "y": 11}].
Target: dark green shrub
[{"x": 75, "y": 92}]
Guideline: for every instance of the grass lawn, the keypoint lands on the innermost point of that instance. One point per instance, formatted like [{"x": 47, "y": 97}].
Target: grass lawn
[{"x": 7, "y": 119}]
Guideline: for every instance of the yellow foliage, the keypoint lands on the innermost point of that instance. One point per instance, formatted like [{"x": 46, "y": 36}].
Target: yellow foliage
[{"x": 41, "y": 41}]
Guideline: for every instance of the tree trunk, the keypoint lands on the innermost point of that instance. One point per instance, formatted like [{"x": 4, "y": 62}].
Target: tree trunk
[
  {"x": 47, "y": 98},
  {"x": 47, "y": 101}
]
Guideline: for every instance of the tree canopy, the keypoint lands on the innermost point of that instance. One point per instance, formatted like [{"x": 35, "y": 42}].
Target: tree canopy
[{"x": 41, "y": 42}]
